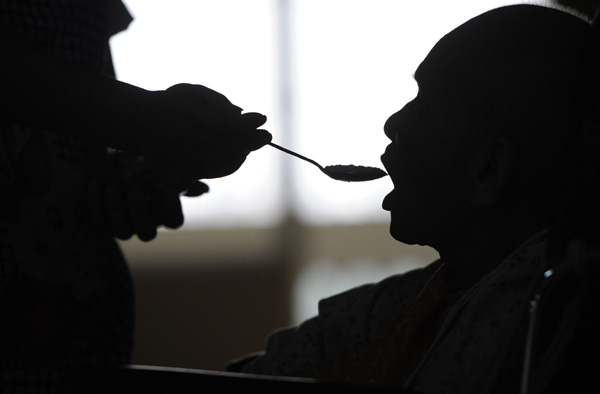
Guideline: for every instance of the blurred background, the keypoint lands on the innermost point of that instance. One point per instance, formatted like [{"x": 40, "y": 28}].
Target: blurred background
[{"x": 269, "y": 241}]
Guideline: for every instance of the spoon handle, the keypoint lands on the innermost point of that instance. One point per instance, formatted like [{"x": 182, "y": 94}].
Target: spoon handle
[{"x": 281, "y": 148}]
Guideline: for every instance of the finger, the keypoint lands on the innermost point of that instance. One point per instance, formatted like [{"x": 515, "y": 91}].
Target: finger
[
  {"x": 242, "y": 142},
  {"x": 172, "y": 214},
  {"x": 142, "y": 215},
  {"x": 209, "y": 97},
  {"x": 217, "y": 100},
  {"x": 118, "y": 214},
  {"x": 196, "y": 189},
  {"x": 218, "y": 133},
  {"x": 181, "y": 185},
  {"x": 252, "y": 119},
  {"x": 246, "y": 136},
  {"x": 254, "y": 140}
]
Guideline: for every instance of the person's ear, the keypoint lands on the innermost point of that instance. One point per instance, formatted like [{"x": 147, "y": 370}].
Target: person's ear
[{"x": 491, "y": 170}]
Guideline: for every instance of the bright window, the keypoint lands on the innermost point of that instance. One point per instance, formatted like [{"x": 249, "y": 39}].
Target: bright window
[{"x": 327, "y": 73}]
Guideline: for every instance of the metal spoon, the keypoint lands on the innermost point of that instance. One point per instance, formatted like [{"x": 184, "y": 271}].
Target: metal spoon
[{"x": 348, "y": 173}]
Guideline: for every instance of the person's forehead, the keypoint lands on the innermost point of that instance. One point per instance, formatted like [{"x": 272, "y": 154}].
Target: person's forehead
[{"x": 440, "y": 72}]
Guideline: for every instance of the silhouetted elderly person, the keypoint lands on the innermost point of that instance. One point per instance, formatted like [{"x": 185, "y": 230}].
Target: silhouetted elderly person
[{"x": 482, "y": 162}]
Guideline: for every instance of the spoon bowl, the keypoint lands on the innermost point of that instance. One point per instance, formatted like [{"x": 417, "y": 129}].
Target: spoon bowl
[
  {"x": 352, "y": 173},
  {"x": 348, "y": 173}
]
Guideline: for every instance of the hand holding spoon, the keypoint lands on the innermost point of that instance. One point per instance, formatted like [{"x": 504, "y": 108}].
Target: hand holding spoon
[{"x": 348, "y": 173}]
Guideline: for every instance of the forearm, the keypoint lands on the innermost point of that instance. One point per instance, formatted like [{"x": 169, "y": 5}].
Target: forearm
[
  {"x": 42, "y": 90},
  {"x": 190, "y": 129}
]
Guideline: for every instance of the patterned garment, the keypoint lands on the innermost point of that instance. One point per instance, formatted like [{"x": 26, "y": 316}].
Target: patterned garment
[
  {"x": 65, "y": 290},
  {"x": 415, "y": 331}
]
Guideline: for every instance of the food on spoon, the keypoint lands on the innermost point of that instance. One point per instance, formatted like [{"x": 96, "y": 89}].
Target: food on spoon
[{"x": 351, "y": 173}]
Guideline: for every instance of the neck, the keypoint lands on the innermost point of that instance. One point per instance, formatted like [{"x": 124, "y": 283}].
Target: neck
[
  {"x": 467, "y": 260},
  {"x": 467, "y": 268}
]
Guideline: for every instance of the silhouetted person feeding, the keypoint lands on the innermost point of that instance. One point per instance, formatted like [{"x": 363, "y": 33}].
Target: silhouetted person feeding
[
  {"x": 66, "y": 297},
  {"x": 483, "y": 160}
]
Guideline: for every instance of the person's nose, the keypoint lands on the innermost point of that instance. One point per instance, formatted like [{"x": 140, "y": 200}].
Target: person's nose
[
  {"x": 385, "y": 157},
  {"x": 391, "y": 125},
  {"x": 391, "y": 128},
  {"x": 395, "y": 122}
]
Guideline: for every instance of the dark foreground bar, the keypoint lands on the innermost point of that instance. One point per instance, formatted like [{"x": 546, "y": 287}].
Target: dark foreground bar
[{"x": 155, "y": 380}]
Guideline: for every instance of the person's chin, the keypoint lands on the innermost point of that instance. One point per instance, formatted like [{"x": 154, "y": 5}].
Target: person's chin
[
  {"x": 396, "y": 233},
  {"x": 398, "y": 228},
  {"x": 400, "y": 231}
]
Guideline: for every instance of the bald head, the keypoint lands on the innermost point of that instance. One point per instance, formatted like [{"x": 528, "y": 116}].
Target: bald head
[
  {"x": 517, "y": 59},
  {"x": 525, "y": 72}
]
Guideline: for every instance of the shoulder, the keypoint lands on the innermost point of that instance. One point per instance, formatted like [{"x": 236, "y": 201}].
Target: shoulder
[
  {"x": 367, "y": 310},
  {"x": 345, "y": 323}
]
